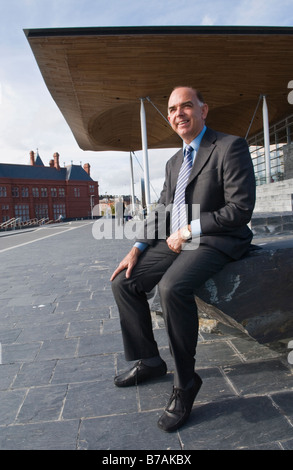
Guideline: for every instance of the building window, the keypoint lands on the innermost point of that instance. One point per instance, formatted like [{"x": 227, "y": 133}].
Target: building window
[
  {"x": 22, "y": 212},
  {"x": 3, "y": 191},
  {"x": 61, "y": 192},
  {"x": 76, "y": 192},
  {"x": 44, "y": 192},
  {"x": 24, "y": 192},
  {"x": 59, "y": 210},
  {"x": 92, "y": 188},
  {"x": 15, "y": 191},
  {"x": 41, "y": 211},
  {"x": 35, "y": 192},
  {"x": 53, "y": 192},
  {"x": 5, "y": 213}
]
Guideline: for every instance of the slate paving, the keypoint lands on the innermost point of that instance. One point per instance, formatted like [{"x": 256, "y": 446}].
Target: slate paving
[{"x": 61, "y": 347}]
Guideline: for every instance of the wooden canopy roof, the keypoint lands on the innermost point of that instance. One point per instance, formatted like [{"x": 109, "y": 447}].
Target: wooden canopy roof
[{"x": 98, "y": 75}]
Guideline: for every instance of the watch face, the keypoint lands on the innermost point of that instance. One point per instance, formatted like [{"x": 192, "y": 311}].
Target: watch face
[{"x": 186, "y": 234}]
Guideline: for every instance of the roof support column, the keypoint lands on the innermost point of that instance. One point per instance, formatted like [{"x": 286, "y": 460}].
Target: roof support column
[
  {"x": 132, "y": 185},
  {"x": 266, "y": 131},
  {"x": 145, "y": 154}
]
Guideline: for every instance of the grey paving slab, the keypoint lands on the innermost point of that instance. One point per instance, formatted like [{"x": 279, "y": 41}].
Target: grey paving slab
[
  {"x": 11, "y": 401},
  {"x": 39, "y": 333},
  {"x": 258, "y": 423},
  {"x": 58, "y": 349},
  {"x": 57, "y": 435},
  {"x": 216, "y": 353},
  {"x": 239, "y": 423},
  {"x": 98, "y": 399},
  {"x": 84, "y": 369},
  {"x": 77, "y": 328},
  {"x": 139, "y": 433},
  {"x": 61, "y": 346},
  {"x": 288, "y": 445},
  {"x": 20, "y": 353},
  {"x": 34, "y": 374},
  {"x": 259, "y": 377},
  {"x": 100, "y": 344},
  {"x": 42, "y": 404},
  {"x": 215, "y": 386},
  {"x": 8, "y": 373},
  {"x": 284, "y": 401},
  {"x": 9, "y": 336}
]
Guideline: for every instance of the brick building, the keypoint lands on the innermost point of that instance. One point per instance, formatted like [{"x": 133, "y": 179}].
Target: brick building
[{"x": 36, "y": 191}]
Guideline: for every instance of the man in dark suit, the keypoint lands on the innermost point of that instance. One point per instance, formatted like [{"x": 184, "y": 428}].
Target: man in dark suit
[{"x": 219, "y": 180}]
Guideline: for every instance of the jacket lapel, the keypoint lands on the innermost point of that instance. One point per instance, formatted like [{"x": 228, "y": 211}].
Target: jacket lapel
[
  {"x": 178, "y": 159},
  {"x": 203, "y": 154}
]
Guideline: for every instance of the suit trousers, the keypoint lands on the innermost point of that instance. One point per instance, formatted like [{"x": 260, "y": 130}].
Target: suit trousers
[{"x": 178, "y": 276}]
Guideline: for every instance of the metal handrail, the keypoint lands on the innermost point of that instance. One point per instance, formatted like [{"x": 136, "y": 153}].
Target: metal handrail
[{"x": 14, "y": 221}]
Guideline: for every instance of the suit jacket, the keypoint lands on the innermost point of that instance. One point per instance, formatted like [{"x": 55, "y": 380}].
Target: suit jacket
[{"x": 222, "y": 183}]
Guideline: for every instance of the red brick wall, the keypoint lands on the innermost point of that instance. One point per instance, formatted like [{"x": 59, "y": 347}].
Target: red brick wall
[{"x": 77, "y": 198}]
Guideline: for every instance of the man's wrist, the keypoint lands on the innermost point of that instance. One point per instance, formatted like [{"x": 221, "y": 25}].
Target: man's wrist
[
  {"x": 140, "y": 245},
  {"x": 195, "y": 228},
  {"x": 185, "y": 233}
]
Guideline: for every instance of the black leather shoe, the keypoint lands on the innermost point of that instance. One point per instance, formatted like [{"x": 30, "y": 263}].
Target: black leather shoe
[
  {"x": 140, "y": 373},
  {"x": 179, "y": 406}
]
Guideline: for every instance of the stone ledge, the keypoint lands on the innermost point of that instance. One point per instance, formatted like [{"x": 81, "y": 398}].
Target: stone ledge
[{"x": 255, "y": 294}]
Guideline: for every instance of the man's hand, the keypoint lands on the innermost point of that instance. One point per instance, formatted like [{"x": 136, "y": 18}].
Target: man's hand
[
  {"x": 176, "y": 240},
  {"x": 128, "y": 263}
]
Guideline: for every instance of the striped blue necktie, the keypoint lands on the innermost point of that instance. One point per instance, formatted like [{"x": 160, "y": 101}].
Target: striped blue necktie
[{"x": 179, "y": 216}]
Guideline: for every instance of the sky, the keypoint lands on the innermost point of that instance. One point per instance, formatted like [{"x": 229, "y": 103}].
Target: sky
[{"x": 31, "y": 120}]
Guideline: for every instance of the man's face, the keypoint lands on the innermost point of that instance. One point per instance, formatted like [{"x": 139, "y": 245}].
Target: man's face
[{"x": 185, "y": 114}]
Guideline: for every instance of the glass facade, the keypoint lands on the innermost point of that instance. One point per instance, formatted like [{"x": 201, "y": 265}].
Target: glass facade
[{"x": 281, "y": 138}]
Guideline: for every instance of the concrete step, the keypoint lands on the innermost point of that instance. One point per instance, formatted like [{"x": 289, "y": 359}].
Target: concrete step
[{"x": 275, "y": 197}]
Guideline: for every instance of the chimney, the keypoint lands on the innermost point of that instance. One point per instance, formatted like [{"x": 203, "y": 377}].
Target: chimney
[
  {"x": 87, "y": 168},
  {"x": 51, "y": 163},
  {"x": 56, "y": 161},
  {"x": 32, "y": 158}
]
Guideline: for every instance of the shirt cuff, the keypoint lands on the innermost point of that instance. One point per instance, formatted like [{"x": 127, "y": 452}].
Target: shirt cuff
[
  {"x": 141, "y": 246},
  {"x": 195, "y": 228}
]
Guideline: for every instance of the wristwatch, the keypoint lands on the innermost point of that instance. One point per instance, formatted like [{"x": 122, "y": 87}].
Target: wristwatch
[{"x": 185, "y": 233}]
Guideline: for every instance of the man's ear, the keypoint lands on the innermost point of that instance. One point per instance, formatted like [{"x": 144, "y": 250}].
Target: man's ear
[{"x": 204, "y": 110}]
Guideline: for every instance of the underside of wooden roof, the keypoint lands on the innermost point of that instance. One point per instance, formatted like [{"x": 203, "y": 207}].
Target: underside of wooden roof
[{"x": 97, "y": 77}]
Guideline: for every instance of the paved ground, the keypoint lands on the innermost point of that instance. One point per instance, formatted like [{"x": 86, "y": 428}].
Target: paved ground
[{"x": 61, "y": 347}]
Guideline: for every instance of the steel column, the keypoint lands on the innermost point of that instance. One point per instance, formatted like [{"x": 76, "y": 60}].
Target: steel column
[
  {"x": 132, "y": 185},
  {"x": 266, "y": 131},
  {"x": 145, "y": 154}
]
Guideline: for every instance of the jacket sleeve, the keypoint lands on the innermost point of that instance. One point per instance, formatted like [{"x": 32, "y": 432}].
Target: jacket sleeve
[{"x": 238, "y": 184}]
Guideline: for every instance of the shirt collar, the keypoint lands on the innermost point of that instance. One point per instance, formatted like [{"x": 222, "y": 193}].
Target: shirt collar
[{"x": 196, "y": 142}]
